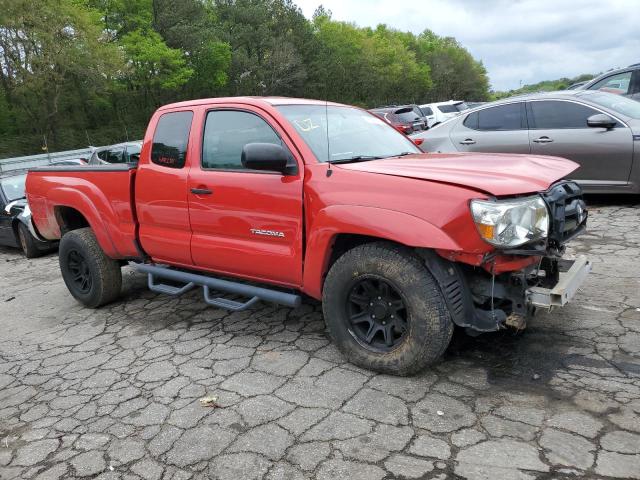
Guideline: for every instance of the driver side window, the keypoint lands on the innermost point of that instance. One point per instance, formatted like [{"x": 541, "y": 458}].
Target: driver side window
[{"x": 226, "y": 132}]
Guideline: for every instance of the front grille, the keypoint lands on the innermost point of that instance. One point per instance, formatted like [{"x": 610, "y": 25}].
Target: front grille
[{"x": 568, "y": 211}]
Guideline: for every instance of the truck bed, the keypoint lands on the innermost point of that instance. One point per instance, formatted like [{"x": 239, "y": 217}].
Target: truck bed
[{"x": 102, "y": 194}]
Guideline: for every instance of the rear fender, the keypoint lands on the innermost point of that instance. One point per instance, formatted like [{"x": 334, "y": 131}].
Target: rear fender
[
  {"x": 375, "y": 222},
  {"x": 97, "y": 213}
]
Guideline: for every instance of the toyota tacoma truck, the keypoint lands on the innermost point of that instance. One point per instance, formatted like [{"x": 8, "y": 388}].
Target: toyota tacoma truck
[{"x": 267, "y": 199}]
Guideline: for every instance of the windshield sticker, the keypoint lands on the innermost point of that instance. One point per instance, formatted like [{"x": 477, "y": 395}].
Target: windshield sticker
[{"x": 306, "y": 125}]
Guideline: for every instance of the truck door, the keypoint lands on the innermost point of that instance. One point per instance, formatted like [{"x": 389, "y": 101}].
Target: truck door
[
  {"x": 161, "y": 191},
  {"x": 244, "y": 222}
]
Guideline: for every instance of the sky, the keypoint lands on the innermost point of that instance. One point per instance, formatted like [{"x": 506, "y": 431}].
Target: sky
[{"x": 519, "y": 40}]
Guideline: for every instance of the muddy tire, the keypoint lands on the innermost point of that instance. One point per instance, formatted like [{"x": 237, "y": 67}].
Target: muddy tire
[
  {"x": 27, "y": 242},
  {"x": 91, "y": 277},
  {"x": 384, "y": 310}
]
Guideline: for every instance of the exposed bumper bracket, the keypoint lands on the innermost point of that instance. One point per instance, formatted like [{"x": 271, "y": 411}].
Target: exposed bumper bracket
[{"x": 564, "y": 290}]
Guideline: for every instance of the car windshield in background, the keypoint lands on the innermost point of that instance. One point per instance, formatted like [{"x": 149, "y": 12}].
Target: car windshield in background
[
  {"x": 449, "y": 108},
  {"x": 13, "y": 187},
  {"x": 461, "y": 107},
  {"x": 353, "y": 133},
  {"x": 617, "y": 103}
]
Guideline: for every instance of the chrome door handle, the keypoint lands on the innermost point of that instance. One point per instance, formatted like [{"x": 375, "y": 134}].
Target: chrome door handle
[
  {"x": 468, "y": 141},
  {"x": 543, "y": 140},
  {"x": 201, "y": 191}
]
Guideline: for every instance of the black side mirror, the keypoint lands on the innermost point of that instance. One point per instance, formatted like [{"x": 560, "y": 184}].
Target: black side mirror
[
  {"x": 601, "y": 120},
  {"x": 266, "y": 156}
]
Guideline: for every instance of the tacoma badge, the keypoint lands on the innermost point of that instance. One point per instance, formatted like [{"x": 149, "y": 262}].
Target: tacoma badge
[{"x": 268, "y": 233}]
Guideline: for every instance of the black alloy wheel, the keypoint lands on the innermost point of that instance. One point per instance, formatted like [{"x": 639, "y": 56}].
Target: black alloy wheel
[
  {"x": 92, "y": 277},
  {"x": 80, "y": 273},
  {"x": 377, "y": 313}
]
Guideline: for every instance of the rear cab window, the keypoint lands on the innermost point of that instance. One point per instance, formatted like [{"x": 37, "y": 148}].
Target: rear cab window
[{"x": 170, "y": 140}]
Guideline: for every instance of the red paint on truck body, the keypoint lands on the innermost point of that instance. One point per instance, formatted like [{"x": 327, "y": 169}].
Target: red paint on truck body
[{"x": 419, "y": 200}]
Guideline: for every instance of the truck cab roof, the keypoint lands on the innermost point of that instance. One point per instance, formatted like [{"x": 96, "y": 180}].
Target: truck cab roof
[{"x": 249, "y": 100}]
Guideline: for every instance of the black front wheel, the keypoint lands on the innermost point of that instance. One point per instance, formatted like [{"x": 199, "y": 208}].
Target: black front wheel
[
  {"x": 91, "y": 277},
  {"x": 377, "y": 313},
  {"x": 384, "y": 309}
]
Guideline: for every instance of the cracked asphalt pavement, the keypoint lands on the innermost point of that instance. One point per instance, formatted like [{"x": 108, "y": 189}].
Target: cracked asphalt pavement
[{"x": 114, "y": 392}]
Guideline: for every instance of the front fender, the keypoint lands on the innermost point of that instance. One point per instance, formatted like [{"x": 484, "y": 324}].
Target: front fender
[{"x": 385, "y": 224}]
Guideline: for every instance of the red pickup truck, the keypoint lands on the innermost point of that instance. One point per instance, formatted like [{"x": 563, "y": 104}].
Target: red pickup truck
[{"x": 269, "y": 198}]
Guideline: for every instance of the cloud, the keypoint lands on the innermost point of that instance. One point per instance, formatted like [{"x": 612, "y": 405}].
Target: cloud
[{"x": 517, "y": 40}]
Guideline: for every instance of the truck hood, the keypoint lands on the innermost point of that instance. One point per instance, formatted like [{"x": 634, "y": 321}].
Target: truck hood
[{"x": 493, "y": 173}]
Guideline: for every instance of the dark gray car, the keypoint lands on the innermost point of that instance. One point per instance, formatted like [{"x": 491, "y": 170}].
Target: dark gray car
[{"x": 598, "y": 130}]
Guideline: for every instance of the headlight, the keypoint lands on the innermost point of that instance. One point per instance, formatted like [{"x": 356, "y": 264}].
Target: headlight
[{"x": 511, "y": 223}]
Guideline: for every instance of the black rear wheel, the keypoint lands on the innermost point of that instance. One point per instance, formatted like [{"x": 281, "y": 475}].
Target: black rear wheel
[
  {"x": 79, "y": 268},
  {"x": 384, "y": 309},
  {"x": 91, "y": 277}
]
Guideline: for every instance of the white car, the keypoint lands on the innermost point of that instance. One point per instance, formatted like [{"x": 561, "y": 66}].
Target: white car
[{"x": 437, "y": 113}]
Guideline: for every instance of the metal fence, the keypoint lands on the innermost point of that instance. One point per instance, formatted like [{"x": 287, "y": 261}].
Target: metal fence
[{"x": 21, "y": 163}]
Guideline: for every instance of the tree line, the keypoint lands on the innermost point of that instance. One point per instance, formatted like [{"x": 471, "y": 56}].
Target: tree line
[
  {"x": 90, "y": 72},
  {"x": 544, "y": 86}
]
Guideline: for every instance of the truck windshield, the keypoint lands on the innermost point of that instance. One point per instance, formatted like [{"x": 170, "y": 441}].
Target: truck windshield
[
  {"x": 13, "y": 187},
  {"x": 352, "y": 133}
]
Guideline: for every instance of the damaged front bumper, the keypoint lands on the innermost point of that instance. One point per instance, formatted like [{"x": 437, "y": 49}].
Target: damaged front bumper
[
  {"x": 568, "y": 284},
  {"x": 481, "y": 302},
  {"x": 506, "y": 287}
]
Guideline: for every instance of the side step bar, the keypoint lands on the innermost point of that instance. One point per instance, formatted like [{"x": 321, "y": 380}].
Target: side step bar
[{"x": 192, "y": 280}]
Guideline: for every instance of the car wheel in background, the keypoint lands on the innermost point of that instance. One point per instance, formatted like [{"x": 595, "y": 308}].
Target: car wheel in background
[{"x": 27, "y": 242}]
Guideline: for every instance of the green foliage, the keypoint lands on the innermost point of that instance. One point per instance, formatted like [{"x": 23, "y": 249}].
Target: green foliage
[
  {"x": 46, "y": 52},
  {"x": 153, "y": 64},
  {"x": 78, "y": 72}
]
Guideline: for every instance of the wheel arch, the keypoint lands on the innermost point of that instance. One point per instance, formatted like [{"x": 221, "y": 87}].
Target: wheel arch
[
  {"x": 70, "y": 218},
  {"x": 336, "y": 229}
]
